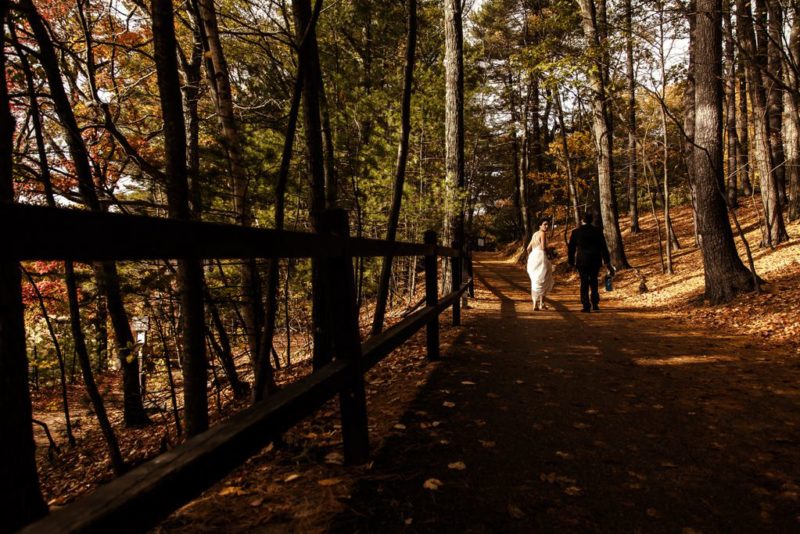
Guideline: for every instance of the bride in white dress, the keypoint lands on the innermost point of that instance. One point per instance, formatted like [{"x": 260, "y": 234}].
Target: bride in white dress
[{"x": 539, "y": 267}]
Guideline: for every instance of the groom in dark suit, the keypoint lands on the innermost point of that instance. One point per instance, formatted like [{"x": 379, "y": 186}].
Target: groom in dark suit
[{"x": 587, "y": 251}]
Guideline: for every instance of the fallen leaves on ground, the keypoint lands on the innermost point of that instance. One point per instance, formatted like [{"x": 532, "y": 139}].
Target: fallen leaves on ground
[{"x": 432, "y": 484}]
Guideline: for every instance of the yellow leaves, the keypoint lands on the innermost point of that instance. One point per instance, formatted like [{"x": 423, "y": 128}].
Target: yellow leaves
[
  {"x": 232, "y": 490},
  {"x": 487, "y": 444},
  {"x": 448, "y": 404},
  {"x": 457, "y": 466},
  {"x": 467, "y": 383},
  {"x": 334, "y": 458},
  {"x": 515, "y": 511},
  {"x": 568, "y": 484},
  {"x": 291, "y": 478},
  {"x": 432, "y": 484},
  {"x": 329, "y": 482},
  {"x": 399, "y": 426}
]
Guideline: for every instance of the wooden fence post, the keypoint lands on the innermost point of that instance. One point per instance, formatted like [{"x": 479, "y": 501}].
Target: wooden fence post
[
  {"x": 432, "y": 296},
  {"x": 341, "y": 319},
  {"x": 456, "y": 263}
]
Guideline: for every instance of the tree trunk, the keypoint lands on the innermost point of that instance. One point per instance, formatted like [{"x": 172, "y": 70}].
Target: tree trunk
[
  {"x": 190, "y": 271},
  {"x": 240, "y": 389},
  {"x": 573, "y": 191},
  {"x": 791, "y": 133},
  {"x": 19, "y": 483},
  {"x": 725, "y": 274},
  {"x": 594, "y": 28},
  {"x": 57, "y": 347},
  {"x": 101, "y": 332},
  {"x": 688, "y": 119},
  {"x": 775, "y": 95},
  {"x": 665, "y": 141},
  {"x": 191, "y": 98},
  {"x": 253, "y": 310},
  {"x": 36, "y": 118},
  {"x": 633, "y": 192},
  {"x": 105, "y": 272},
  {"x": 743, "y": 129},
  {"x": 454, "y": 125},
  {"x": 400, "y": 167},
  {"x": 312, "y": 125},
  {"x": 264, "y": 378},
  {"x": 730, "y": 109},
  {"x": 775, "y": 231},
  {"x": 117, "y": 464}
]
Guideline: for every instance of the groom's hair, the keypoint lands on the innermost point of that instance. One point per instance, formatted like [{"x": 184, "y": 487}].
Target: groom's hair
[{"x": 588, "y": 217}]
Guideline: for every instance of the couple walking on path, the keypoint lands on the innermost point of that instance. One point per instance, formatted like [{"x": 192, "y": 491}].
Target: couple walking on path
[{"x": 587, "y": 252}]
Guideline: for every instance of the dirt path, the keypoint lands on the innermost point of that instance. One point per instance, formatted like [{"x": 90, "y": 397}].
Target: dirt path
[{"x": 610, "y": 421}]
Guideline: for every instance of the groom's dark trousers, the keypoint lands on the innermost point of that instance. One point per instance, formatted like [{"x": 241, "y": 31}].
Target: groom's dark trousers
[
  {"x": 588, "y": 275},
  {"x": 588, "y": 251}
]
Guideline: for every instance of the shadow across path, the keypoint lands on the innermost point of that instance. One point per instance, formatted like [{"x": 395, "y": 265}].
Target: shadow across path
[{"x": 614, "y": 421}]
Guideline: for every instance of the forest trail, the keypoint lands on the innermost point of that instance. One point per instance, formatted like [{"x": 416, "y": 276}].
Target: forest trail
[{"x": 620, "y": 420}]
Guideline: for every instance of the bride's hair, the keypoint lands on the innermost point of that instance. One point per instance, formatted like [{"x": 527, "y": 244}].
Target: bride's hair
[{"x": 543, "y": 220}]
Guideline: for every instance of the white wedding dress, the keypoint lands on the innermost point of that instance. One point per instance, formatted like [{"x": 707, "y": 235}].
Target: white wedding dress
[{"x": 540, "y": 270}]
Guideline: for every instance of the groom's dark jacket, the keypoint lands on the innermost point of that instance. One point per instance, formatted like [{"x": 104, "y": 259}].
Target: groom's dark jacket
[{"x": 587, "y": 247}]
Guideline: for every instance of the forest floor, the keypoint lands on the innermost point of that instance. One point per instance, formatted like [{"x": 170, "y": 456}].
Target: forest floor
[
  {"x": 657, "y": 414},
  {"x": 622, "y": 420}
]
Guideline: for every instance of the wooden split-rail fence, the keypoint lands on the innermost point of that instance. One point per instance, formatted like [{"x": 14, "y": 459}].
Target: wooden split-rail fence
[{"x": 142, "y": 497}]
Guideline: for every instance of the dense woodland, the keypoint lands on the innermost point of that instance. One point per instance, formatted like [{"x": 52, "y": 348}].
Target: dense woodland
[{"x": 474, "y": 119}]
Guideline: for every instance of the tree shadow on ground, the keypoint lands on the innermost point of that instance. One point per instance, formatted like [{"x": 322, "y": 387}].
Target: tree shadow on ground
[{"x": 614, "y": 421}]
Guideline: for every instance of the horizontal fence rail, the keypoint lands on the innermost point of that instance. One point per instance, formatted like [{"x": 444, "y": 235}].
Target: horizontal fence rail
[
  {"x": 43, "y": 233},
  {"x": 150, "y": 492}
]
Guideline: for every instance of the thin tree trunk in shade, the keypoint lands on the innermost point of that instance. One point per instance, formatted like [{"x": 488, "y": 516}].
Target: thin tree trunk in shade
[
  {"x": 105, "y": 272},
  {"x": 265, "y": 381},
  {"x": 633, "y": 191},
  {"x": 191, "y": 97},
  {"x": 59, "y": 356},
  {"x": 190, "y": 271},
  {"x": 651, "y": 193},
  {"x": 665, "y": 142},
  {"x": 44, "y": 168},
  {"x": 400, "y": 166},
  {"x": 117, "y": 463},
  {"x": 791, "y": 131},
  {"x": 725, "y": 274},
  {"x": 312, "y": 126},
  {"x": 775, "y": 231},
  {"x": 240, "y": 389},
  {"x": 454, "y": 126},
  {"x": 689, "y": 116},
  {"x": 168, "y": 366},
  {"x": 743, "y": 129},
  {"x": 594, "y": 28},
  {"x": 775, "y": 94},
  {"x": 253, "y": 311},
  {"x": 730, "y": 109},
  {"x": 573, "y": 190},
  {"x": 19, "y": 483}
]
